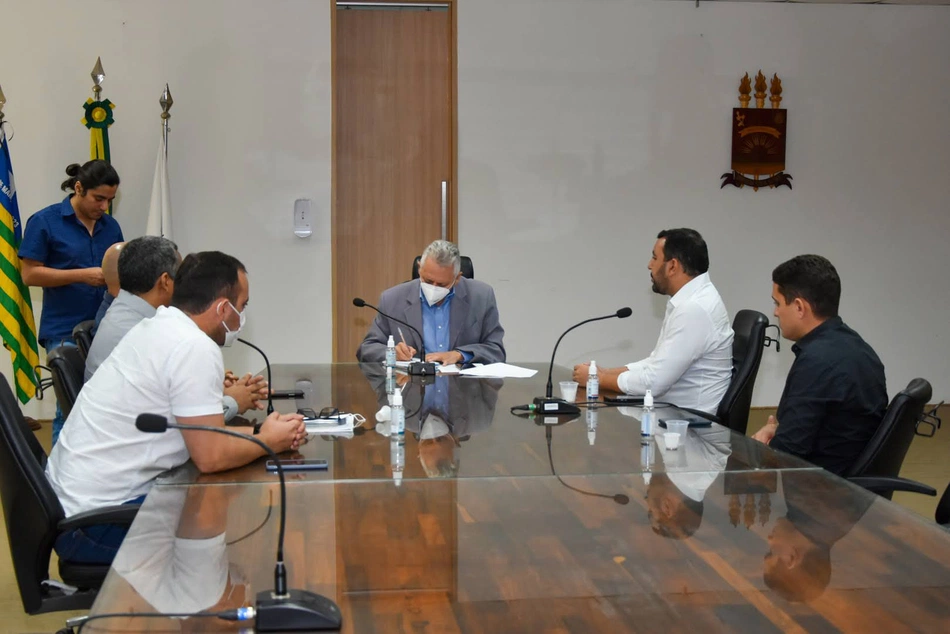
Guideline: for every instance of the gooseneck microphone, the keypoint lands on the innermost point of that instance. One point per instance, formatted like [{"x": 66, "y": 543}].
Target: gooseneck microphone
[
  {"x": 282, "y": 609},
  {"x": 417, "y": 367},
  {"x": 619, "y": 498},
  {"x": 270, "y": 386},
  {"x": 551, "y": 405}
]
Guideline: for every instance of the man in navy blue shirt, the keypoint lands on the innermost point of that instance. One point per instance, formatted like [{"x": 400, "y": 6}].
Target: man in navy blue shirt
[
  {"x": 62, "y": 249},
  {"x": 835, "y": 394}
]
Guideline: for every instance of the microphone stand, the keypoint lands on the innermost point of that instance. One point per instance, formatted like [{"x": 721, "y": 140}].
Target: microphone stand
[
  {"x": 270, "y": 386},
  {"x": 619, "y": 498},
  {"x": 282, "y": 609},
  {"x": 549, "y": 405},
  {"x": 416, "y": 368}
]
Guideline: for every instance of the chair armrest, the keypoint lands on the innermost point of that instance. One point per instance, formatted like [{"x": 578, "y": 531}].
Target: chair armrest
[
  {"x": 700, "y": 413},
  {"x": 883, "y": 484},
  {"x": 122, "y": 514}
]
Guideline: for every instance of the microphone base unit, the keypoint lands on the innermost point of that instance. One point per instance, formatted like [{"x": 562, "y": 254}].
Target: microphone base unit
[
  {"x": 554, "y": 406},
  {"x": 421, "y": 368},
  {"x": 300, "y": 611}
]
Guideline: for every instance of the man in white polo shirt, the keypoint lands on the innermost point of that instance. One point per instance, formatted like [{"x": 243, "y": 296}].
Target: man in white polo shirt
[
  {"x": 691, "y": 365},
  {"x": 169, "y": 365}
]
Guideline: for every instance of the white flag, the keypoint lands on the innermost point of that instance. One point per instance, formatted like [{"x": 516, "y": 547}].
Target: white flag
[{"x": 160, "y": 209}]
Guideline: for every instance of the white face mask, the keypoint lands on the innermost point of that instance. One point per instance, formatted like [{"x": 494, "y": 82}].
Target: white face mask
[
  {"x": 434, "y": 294},
  {"x": 230, "y": 336},
  {"x": 433, "y": 427}
]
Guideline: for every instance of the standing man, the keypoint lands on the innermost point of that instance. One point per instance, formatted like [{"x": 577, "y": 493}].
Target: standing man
[
  {"x": 62, "y": 249},
  {"x": 835, "y": 395},
  {"x": 457, "y": 317},
  {"x": 691, "y": 365}
]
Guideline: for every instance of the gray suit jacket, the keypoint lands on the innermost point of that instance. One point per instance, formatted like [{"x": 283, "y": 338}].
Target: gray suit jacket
[{"x": 473, "y": 322}]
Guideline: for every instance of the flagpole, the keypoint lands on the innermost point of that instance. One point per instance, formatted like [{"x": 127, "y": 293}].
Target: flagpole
[
  {"x": 166, "y": 102},
  {"x": 3, "y": 102}
]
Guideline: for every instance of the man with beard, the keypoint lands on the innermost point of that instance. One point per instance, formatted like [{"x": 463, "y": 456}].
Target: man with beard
[{"x": 691, "y": 365}]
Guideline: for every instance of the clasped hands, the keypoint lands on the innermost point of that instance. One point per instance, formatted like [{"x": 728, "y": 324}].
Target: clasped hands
[{"x": 248, "y": 391}]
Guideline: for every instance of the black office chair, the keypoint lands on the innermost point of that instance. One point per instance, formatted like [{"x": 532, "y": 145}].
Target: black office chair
[
  {"x": 733, "y": 411},
  {"x": 468, "y": 269},
  {"x": 35, "y": 518},
  {"x": 878, "y": 466},
  {"x": 82, "y": 334},
  {"x": 67, "y": 367}
]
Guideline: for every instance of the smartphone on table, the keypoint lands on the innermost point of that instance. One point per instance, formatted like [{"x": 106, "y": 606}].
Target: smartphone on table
[{"x": 299, "y": 464}]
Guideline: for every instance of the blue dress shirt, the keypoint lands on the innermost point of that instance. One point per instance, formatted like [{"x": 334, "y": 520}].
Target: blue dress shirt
[
  {"x": 435, "y": 325},
  {"x": 58, "y": 239}
]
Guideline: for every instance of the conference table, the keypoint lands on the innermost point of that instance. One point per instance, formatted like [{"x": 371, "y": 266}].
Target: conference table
[{"x": 516, "y": 524}]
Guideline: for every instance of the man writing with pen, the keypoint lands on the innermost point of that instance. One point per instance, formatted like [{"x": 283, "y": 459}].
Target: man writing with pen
[{"x": 457, "y": 317}]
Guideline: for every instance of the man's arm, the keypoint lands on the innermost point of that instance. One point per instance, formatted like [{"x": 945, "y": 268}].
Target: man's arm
[
  {"x": 684, "y": 341},
  {"x": 35, "y": 273},
  {"x": 491, "y": 345},
  {"x": 216, "y": 452},
  {"x": 802, "y": 409},
  {"x": 608, "y": 377}
]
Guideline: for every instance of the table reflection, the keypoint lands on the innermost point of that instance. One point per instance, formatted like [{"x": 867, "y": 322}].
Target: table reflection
[
  {"x": 533, "y": 554},
  {"x": 176, "y": 558},
  {"x": 798, "y": 562}
]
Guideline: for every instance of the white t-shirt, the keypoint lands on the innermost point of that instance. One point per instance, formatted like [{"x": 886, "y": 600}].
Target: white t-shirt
[
  {"x": 172, "y": 573},
  {"x": 691, "y": 365},
  {"x": 165, "y": 365}
]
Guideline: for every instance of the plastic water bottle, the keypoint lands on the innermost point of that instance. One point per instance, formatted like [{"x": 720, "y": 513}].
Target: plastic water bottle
[
  {"x": 398, "y": 421},
  {"x": 591, "y": 425},
  {"x": 397, "y": 456},
  {"x": 593, "y": 383},
  {"x": 647, "y": 417},
  {"x": 391, "y": 352},
  {"x": 390, "y": 384},
  {"x": 647, "y": 458}
]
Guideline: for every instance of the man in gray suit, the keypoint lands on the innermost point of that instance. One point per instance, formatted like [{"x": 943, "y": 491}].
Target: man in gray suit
[{"x": 457, "y": 316}]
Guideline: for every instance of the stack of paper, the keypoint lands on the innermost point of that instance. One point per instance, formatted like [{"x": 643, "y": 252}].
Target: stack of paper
[{"x": 499, "y": 371}]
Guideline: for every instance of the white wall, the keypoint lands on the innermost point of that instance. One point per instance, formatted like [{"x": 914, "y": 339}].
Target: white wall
[
  {"x": 250, "y": 133},
  {"x": 584, "y": 128}
]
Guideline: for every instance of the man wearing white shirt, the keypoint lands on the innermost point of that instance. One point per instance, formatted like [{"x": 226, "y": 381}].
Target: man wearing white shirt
[
  {"x": 170, "y": 365},
  {"x": 691, "y": 365}
]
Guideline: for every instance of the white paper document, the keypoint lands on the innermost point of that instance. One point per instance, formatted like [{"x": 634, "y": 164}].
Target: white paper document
[
  {"x": 448, "y": 369},
  {"x": 500, "y": 371},
  {"x": 342, "y": 425}
]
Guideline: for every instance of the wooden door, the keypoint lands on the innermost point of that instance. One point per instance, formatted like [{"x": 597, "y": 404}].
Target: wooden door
[{"x": 394, "y": 146}]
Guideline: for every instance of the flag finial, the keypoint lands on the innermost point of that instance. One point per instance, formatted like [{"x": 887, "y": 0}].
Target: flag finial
[
  {"x": 98, "y": 75},
  {"x": 166, "y": 102}
]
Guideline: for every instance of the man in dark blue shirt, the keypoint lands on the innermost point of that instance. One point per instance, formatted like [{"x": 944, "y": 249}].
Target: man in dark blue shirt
[
  {"x": 835, "y": 395},
  {"x": 62, "y": 249}
]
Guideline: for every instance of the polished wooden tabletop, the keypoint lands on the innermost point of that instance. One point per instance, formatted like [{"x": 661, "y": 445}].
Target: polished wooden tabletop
[
  {"x": 793, "y": 551},
  {"x": 485, "y": 438}
]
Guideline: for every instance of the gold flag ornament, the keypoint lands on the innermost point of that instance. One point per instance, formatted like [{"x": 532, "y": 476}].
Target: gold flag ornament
[
  {"x": 98, "y": 118},
  {"x": 17, "y": 325}
]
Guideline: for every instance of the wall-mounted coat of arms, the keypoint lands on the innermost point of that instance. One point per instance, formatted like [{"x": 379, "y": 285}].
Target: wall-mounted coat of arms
[{"x": 758, "y": 137}]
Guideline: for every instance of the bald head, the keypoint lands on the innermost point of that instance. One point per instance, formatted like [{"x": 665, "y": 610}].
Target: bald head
[{"x": 110, "y": 267}]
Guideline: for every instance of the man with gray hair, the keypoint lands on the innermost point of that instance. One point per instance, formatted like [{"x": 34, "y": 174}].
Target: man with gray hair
[
  {"x": 458, "y": 317},
  {"x": 146, "y": 271}
]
